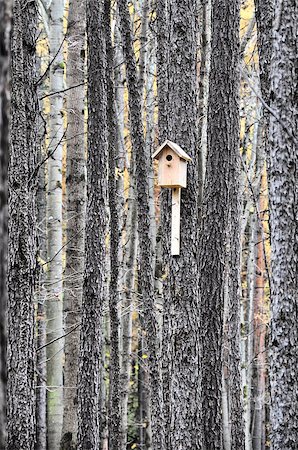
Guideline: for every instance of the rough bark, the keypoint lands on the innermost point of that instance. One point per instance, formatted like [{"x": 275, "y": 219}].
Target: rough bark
[
  {"x": 283, "y": 190},
  {"x": 220, "y": 197},
  {"x": 114, "y": 412},
  {"x": 5, "y": 25},
  {"x": 264, "y": 20},
  {"x": 89, "y": 403},
  {"x": 145, "y": 277},
  {"x": 178, "y": 122},
  {"x": 75, "y": 214},
  {"x": 234, "y": 298},
  {"x": 54, "y": 284},
  {"x": 21, "y": 229}
]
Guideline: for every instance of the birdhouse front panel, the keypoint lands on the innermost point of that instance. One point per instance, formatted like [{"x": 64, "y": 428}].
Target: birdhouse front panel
[{"x": 171, "y": 169}]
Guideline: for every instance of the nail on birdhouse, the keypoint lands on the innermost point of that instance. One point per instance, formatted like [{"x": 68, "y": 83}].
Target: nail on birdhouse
[{"x": 172, "y": 173}]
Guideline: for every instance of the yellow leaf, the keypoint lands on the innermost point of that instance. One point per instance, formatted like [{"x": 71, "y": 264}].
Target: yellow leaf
[
  {"x": 144, "y": 356},
  {"x": 133, "y": 446}
]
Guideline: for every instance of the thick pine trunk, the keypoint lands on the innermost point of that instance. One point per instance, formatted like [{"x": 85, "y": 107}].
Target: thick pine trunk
[
  {"x": 5, "y": 24},
  {"x": 91, "y": 341},
  {"x": 283, "y": 190},
  {"x": 22, "y": 230},
  {"x": 177, "y": 84},
  {"x": 219, "y": 212},
  {"x": 75, "y": 214}
]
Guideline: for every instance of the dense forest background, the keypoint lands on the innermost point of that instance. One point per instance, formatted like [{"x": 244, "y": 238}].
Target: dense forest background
[{"x": 107, "y": 340}]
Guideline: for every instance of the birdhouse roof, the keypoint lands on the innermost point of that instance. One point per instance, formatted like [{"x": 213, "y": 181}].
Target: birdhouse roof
[{"x": 175, "y": 147}]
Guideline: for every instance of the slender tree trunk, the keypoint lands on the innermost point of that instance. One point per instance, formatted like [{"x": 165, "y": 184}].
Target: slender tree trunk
[
  {"x": 5, "y": 24},
  {"x": 220, "y": 198},
  {"x": 283, "y": 190},
  {"x": 251, "y": 279},
  {"x": 22, "y": 230},
  {"x": 234, "y": 298},
  {"x": 75, "y": 215},
  {"x": 264, "y": 19},
  {"x": 91, "y": 340},
  {"x": 129, "y": 247},
  {"x": 114, "y": 412},
  {"x": 205, "y": 25},
  {"x": 178, "y": 122},
  {"x": 41, "y": 378},
  {"x": 54, "y": 232},
  {"x": 145, "y": 277}
]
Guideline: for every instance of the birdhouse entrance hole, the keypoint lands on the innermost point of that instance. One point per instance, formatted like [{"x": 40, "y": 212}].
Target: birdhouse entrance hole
[{"x": 169, "y": 157}]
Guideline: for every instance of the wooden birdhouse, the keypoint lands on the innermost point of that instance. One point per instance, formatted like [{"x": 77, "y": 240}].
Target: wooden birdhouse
[
  {"x": 172, "y": 172},
  {"x": 172, "y": 165}
]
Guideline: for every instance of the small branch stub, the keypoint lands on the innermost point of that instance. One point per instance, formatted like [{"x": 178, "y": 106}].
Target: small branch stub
[{"x": 172, "y": 173}]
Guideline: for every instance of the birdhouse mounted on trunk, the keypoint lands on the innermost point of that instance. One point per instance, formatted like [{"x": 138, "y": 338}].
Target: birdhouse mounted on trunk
[
  {"x": 172, "y": 165},
  {"x": 172, "y": 171}
]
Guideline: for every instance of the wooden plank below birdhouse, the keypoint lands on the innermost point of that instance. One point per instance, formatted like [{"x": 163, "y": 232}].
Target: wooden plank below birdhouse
[{"x": 175, "y": 237}]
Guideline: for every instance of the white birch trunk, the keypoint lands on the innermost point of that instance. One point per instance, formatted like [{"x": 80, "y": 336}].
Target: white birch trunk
[{"x": 54, "y": 232}]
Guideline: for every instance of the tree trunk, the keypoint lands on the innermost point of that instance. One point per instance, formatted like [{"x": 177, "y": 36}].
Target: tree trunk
[
  {"x": 283, "y": 190},
  {"x": 220, "y": 199},
  {"x": 54, "y": 232},
  {"x": 264, "y": 19},
  {"x": 114, "y": 412},
  {"x": 251, "y": 279},
  {"x": 129, "y": 247},
  {"x": 21, "y": 229},
  {"x": 91, "y": 341},
  {"x": 5, "y": 24},
  {"x": 178, "y": 122},
  {"x": 75, "y": 215},
  {"x": 41, "y": 378},
  {"x": 233, "y": 321},
  {"x": 145, "y": 273}
]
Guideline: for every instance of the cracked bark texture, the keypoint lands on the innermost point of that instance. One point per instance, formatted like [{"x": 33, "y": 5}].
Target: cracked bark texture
[
  {"x": 91, "y": 339},
  {"x": 145, "y": 272},
  {"x": 177, "y": 71},
  {"x": 114, "y": 411},
  {"x": 5, "y": 25},
  {"x": 75, "y": 215},
  {"x": 264, "y": 19},
  {"x": 22, "y": 230},
  {"x": 220, "y": 200},
  {"x": 283, "y": 190}
]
